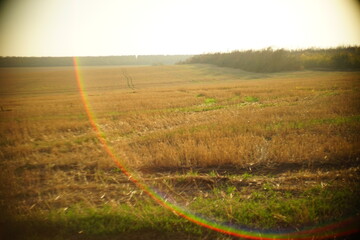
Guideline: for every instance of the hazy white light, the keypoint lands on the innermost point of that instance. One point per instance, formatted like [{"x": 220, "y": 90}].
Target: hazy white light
[{"x": 118, "y": 27}]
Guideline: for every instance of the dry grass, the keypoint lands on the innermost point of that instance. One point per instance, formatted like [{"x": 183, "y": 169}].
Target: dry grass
[{"x": 50, "y": 157}]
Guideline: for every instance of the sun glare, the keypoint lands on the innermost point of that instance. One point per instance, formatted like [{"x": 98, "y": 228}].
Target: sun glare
[{"x": 63, "y": 28}]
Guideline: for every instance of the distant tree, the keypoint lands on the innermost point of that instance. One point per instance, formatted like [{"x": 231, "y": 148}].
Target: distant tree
[{"x": 269, "y": 60}]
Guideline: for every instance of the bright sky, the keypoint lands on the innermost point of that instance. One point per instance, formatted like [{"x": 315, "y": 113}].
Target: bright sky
[{"x": 137, "y": 27}]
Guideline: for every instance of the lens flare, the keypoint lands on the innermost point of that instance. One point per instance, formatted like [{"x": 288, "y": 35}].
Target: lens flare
[{"x": 346, "y": 227}]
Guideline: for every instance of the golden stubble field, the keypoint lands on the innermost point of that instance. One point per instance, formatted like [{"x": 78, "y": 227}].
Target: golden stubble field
[{"x": 206, "y": 123}]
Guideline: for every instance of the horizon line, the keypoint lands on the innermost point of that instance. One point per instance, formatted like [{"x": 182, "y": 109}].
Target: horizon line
[{"x": 189, "y": 54}]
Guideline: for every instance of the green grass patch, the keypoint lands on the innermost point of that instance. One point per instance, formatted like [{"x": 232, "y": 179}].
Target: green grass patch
[
  {"x": 251, "y": 99},
  {"x": 86, "y": 222},
  {"x": 204, "y": 109},
  {"x": 263, "y": 208},
  {"x": 313, "y": 122},
  {"x": 246, "y": 176},
  {"x": 210, "y": 101},
  {"x": 330, "y": 93},
  {"x": 270, "y": 209}
]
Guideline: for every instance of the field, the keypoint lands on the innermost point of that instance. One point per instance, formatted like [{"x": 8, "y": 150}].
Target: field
[{"x": 265, "y": 152}]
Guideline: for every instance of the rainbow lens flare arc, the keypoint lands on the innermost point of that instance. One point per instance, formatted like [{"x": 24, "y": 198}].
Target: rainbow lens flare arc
[{"x": 339, "y": 229}]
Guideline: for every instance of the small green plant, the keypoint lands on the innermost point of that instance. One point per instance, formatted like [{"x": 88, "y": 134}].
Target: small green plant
[
  {"x": 251, "y": 99},
  {"x": 218, "y": 192},
  {"x": 213, "y": 173},
  {"x": 267, "y": 186},
  {"x": 116, "y": 170},
  {"x": 204, "y": 109},
  {"x": 210, "y": 100},
  {"x": 192, "y": 173},
  {"x": 246, "y": 176},
  {"x": 230, "y": 189}
]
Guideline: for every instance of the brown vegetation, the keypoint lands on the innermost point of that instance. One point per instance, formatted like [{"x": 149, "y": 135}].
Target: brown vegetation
[{"x": 172, "y": 119}]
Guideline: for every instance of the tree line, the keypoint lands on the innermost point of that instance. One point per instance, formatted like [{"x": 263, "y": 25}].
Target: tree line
[
  {"x": 91, "y": 61},
  {"x": 270, "y": 60}
]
